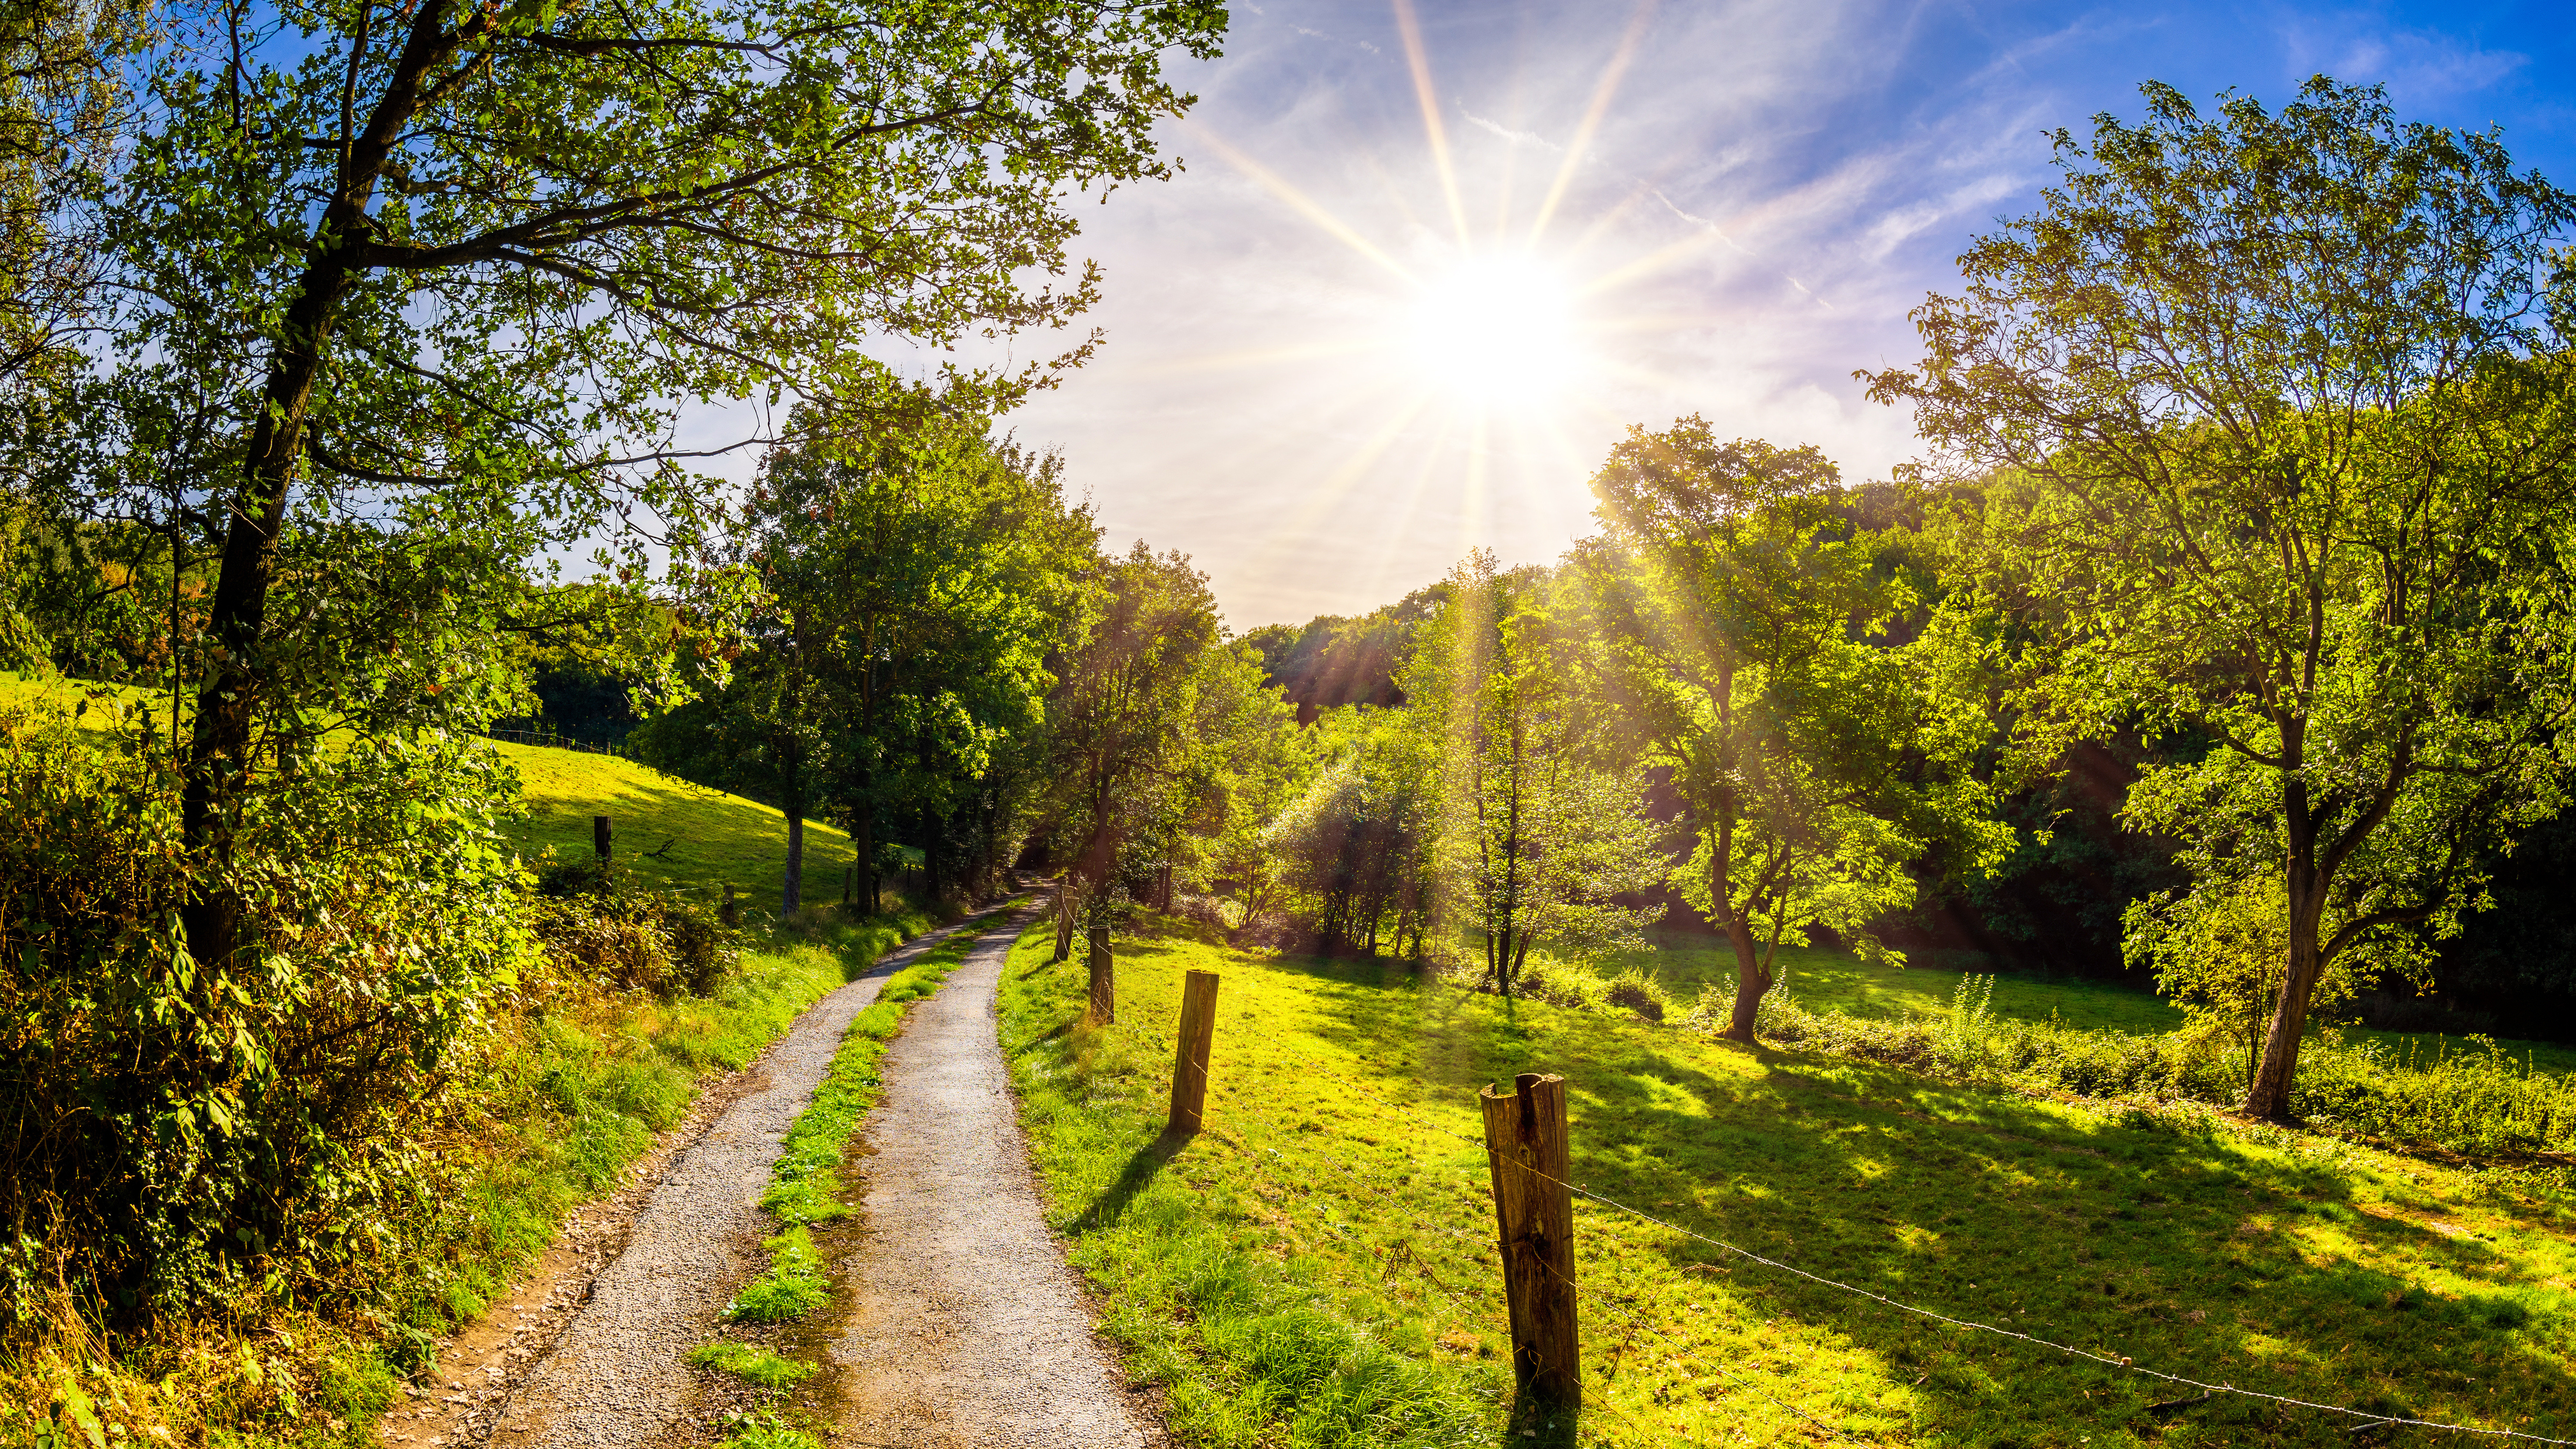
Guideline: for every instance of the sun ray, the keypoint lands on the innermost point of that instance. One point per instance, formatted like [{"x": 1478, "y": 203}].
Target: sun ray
[
  {"x": 1260, "y": 357},
  {"x": 1581, "y": 143},
  {"x": 1431, "y": 124},
  {"x": 1306, "y": 207},
  {"x": 1336, "y": 485},
  {"x": 1421, "y": 484}
]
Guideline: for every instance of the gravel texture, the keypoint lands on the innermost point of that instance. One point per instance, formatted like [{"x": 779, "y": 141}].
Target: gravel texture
[
  {"x": 618, "y": 1374},
  {"x": 966, "y": 1328}
]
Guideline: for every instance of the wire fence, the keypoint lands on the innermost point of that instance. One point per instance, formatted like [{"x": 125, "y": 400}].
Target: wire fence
[
  {"x": 2364, "y": 1420},
  {"x": 551, "y": 740}
]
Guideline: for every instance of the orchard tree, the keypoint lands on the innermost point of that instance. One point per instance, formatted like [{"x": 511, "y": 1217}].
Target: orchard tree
[
  {"x": 446, "y": 276},
  {"x": 2263, "y": 426},
  {"x": 1125, "y": 724},
  {"x": 938, "y": 571}
]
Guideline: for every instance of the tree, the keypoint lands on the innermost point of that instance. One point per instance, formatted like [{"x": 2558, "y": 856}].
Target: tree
[
  {"x": 65, "y": 106},
  {"x": 1535, "y": 836},
  {"x": 1122, "y": 719},
  {"x": 1739, "y": 625},
  {"x": 914, "y": 582},
  {"x": 446, "y": 275},
  {"x": 2262, "y": 427},
  {"x": 1356, "y": 844}
]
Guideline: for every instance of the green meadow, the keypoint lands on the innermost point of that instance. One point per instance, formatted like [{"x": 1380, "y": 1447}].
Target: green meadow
[{"x": 1318, "y": 1266}]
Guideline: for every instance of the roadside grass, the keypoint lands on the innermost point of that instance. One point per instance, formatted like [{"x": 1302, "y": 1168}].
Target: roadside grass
[{"x": 1338, "y": 1201}]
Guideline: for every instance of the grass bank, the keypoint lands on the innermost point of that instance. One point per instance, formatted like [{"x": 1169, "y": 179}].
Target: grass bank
[
  {"x": 1685, "y": 964},
  {"x": 1318, "y": 1266}
]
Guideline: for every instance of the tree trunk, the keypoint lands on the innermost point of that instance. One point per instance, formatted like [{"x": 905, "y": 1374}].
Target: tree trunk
[
  {"x": 794, "y": 893},
  {"x": 219, "y": 751},
  {"x": 2269, "y": 1097},
  {"x": 1752, "y": 978},
  {"x": 863, "y": 839}
]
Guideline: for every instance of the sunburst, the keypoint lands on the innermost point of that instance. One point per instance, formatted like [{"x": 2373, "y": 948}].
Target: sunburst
[{"x": 1485, "y": 339}]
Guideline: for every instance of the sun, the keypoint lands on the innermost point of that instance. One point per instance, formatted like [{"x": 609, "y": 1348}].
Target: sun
[{"x": 1496, "y": 331}]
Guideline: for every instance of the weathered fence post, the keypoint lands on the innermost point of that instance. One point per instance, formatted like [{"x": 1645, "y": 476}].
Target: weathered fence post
[
  {"x": 1190, "y": 1070},
  {"x": 599, "y": 836},
  {"x": 849, "y": 883},
  {"x": 730, "y": 913},
  {"x": 1525, "y": 1145},
  {"x": 1104, "y": 989}
]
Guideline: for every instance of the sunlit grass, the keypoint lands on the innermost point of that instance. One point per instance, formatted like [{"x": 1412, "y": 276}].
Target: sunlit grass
[{"x": 1328, "y": 1179}]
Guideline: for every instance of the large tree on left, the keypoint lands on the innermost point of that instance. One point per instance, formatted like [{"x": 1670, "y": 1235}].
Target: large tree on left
[{"x": 440, "y": 280}]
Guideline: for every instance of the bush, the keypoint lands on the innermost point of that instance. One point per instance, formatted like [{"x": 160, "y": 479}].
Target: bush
[
  {"x": 185, "y": 1133},
  {"x": 600, "y": 925}
]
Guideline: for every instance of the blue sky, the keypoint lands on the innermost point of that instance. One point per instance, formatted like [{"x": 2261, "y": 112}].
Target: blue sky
[{"x": 1712, "y": 208}]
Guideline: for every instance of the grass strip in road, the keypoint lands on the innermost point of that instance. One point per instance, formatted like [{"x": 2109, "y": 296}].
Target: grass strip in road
[
  {"x": 750, "y": 1363},
  {"x": 795, "y": 1284},
  {"x": 805, "y": 1192}
]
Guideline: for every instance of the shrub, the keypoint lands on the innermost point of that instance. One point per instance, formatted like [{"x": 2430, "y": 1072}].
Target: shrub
[
  {"x": 601, "y": 925},
  {"x": 186, "y": 1132},
  {"x": 1637, "y": 990}
]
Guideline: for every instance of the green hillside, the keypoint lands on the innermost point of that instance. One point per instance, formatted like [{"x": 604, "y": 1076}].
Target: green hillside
[{"x": 664, "y": 827}]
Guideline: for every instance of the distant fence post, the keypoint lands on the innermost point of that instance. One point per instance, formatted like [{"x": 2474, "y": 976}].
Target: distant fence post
[
  {"x": 1190, "y": 1071},
  {"x": 1104, "y": 986},
  {"x": 599, "y": 835},
  {"x": 730, "y": 913},
  {"x": 1526, "y": 1148}
]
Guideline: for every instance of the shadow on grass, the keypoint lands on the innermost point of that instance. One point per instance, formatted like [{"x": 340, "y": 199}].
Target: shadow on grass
[
  {"x": 1133, "y": 1177},
  {"x": 2226, "y": 1259}
]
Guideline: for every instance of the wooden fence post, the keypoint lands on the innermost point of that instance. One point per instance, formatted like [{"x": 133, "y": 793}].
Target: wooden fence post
[
  {"x": 599, "y": 835},
  {"x": 1190, "y": 1070},
  {"x": 1104, "y": 988},
  {"x": 730, "y": 913},
  {"x": 1526, "y": 1148}
]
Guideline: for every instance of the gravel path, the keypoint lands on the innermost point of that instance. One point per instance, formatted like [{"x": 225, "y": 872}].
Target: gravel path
[
  {"x": 617, "y": 1375},
  {"x": 966, "y": 1328}
]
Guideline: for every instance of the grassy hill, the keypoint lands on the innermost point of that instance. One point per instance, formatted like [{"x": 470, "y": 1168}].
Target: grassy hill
[
  {"x": 664, "y": 828},
  {"x": 1322, "y": 1257}
]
